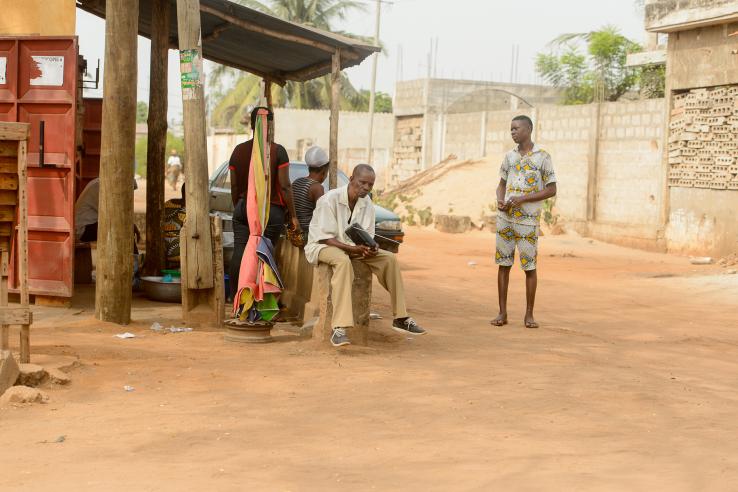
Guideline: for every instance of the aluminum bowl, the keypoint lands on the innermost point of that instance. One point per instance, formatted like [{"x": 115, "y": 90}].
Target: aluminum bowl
[{"x": 157, "y": 290}]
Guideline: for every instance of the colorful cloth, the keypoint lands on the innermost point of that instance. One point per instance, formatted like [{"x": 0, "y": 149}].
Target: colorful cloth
[
  {"x": 526, "y": 174},
  {"x": 510, "y": 235},
  {"x": 259, "y": 283},
  {"x": 174, "y": 218}
]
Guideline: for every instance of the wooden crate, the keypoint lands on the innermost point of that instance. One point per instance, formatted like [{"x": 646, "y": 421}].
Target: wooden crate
[{"x": 14, "y": 247}]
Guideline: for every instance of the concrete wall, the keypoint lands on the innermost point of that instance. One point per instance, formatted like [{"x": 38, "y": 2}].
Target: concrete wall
[
  {"x": 629, "y": 174},
  {"x": 608, "y": 159},
  {"x": 298, "y": 129},
  {"x": 40, "y": 17},
  {"x": 678, "y": 15},
  {"x": 702, "y": 220},
  {"x": 565, "y": 132}
]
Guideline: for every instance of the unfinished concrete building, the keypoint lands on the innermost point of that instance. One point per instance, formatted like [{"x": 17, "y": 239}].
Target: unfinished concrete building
[
  {"x": 421, "y": 107},
  {"x": 701, "y": 161}
]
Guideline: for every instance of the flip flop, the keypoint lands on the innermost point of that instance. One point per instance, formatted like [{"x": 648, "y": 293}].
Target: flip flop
[
  {"x": 498, "y": 322},
  {"x": 531, "y": 324}
]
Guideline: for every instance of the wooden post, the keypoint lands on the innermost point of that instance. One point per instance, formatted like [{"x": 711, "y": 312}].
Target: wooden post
[
  {"x": 268, "y": 97},
  {"x": 335, "y": 108},
  {"x": 22, "y": 248},
  {"x": 5, "y": 328},
  {"x": 115, "y": 220},
  {"x": 157, "y": 139},
  {"x": 199, "y": 245}
]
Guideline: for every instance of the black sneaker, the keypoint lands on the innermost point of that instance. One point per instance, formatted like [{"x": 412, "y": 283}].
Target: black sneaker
[
  {"x": 339, "y": 337},
  {"x": 407, "y": 325}
]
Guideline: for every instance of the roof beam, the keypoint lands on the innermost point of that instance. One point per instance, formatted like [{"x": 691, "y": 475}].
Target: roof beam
[
  {"x": 253, "y": 27},
  {"x": 216, "y": 32},
  {"x": 312, "y": 71}
]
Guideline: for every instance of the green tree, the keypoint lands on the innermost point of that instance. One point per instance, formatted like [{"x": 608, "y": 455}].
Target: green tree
[
  {"x": 173, "y": 142},
  {"x": 231, "y": 107},
  {"x": 142, "y": 112},
  {"x": 599, "y": 75}
]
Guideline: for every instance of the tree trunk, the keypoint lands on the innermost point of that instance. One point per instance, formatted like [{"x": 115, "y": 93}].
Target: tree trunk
[
  {"x": 115, "y": 220},
  {"x": 157, "y": 138}
]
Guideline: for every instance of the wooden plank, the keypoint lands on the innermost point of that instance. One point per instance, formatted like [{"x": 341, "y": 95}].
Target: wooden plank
[
  {"x": 8, "y": 197},
  {"x": 8, "y": 149},
  {"x": 4, "y": 328},
  {"x": 199, "y": 243},
  {"x": 22, "y": 245},
  {"x": 8, "y": 181},
  {"x": 7, "y": 213},
  {"x": 13, "y": 131},
  {"x": 15, "y": 315},
  {"x": 218, "y": 303}
]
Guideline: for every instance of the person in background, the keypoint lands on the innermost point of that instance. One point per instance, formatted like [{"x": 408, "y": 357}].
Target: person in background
[
  {"x": 527, "y": 178},
  {"x": 308, "y": 189},
  {"x": 173, "y": 169},
  {"x": 175, "y": 213},
  {"x": 86, "y": 214},
  {"x": 281, "y": 198}
]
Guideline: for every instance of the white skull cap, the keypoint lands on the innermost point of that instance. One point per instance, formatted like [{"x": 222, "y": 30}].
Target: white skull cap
[{"x": 316, "y": 157}]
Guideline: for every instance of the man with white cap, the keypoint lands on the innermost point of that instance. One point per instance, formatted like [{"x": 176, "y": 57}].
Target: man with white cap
[{"x": 308, "y": 189}]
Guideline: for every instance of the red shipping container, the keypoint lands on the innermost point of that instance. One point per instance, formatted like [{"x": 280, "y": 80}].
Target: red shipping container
[{"x": 38, "y": 82}]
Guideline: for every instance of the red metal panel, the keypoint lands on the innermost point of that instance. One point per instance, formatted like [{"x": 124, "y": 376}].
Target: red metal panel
[
  {"x": 89, "y": 166},
  {"x": 44, "y": 88}
]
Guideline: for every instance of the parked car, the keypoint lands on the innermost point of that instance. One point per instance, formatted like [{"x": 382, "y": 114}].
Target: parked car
[{"x": 388, "y": 224}]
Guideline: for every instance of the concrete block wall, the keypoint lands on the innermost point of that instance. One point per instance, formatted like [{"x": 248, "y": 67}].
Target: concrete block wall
[
  {"x": 565, "y": 132},
  {"x": 629, "y": 170},
  {"x": 408, "y": 148},
  {"x": 297, "y": 129},
  {"x": 463, "y": 135}
]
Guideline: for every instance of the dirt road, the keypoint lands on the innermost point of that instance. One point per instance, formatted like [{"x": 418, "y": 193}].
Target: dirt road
[{"x": 630, "y": 384}]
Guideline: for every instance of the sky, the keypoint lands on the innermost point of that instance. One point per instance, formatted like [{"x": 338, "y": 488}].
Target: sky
[{"x": 475, "y": 39}]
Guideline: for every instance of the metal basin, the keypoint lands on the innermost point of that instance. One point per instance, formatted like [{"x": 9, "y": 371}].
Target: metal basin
[{"x": 156, "y": 290}]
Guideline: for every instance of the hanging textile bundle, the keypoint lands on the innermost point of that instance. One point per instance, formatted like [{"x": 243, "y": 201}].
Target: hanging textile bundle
[{"x": 259, "y": 282}]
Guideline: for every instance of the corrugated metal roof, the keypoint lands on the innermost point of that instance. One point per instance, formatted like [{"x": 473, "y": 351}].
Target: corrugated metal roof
[{"x": 259, "y": 43}]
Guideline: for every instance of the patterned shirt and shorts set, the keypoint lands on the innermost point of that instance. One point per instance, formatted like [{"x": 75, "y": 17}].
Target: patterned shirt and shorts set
[{"x": 523, "y": 175}]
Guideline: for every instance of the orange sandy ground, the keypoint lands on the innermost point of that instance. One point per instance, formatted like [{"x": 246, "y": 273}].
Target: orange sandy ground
[{"x": 630, "y": 384}]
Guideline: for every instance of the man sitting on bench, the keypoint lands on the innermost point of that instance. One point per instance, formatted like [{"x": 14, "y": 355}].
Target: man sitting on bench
[{"x": 328, "y": 243}]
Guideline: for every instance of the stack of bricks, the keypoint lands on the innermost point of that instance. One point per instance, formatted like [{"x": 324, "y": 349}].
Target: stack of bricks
[
  {"x": 408, "y": 149},
  {"x": 703, "y": 139}
]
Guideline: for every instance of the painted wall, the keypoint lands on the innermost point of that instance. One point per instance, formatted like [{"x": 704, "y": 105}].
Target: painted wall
[
  {"x": 38, "y": 17},
  {"x": 297, "y": 129}
]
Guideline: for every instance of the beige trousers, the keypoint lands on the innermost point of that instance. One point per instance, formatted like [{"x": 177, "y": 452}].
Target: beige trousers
[{"x": 384, "y": 266}]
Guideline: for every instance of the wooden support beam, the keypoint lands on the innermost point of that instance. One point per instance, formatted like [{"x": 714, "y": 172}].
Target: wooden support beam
[
  {"x": 254, "y": 27},
  {"x": 268, "y": 97},
  {"x": 335, "y": 109},
  {"x": 115, "y": 222},
  {"x": 215, "y": 34},
  {"x": 22, "y": 251},
  {"x": 199, "y": 245},
  {"x": 157, "y": 138},
  {"x": 317, "y": 69}
]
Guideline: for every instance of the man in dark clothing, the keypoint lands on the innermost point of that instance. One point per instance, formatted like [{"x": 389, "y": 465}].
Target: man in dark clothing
[{"x": 281, "y": 198}]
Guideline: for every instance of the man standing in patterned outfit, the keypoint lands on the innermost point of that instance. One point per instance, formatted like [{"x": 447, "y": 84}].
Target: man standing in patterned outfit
[{"x": 527, "y": 178}]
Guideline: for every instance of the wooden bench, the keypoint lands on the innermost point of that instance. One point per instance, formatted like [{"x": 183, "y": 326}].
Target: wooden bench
[{"x": 361, "y": 294}]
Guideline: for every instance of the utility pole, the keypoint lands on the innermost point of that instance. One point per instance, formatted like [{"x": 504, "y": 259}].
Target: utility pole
[
  {"x": 115, "y": 241},
  {"x": 374, "y": 85}
]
